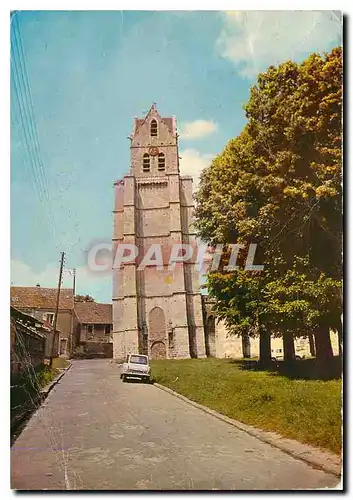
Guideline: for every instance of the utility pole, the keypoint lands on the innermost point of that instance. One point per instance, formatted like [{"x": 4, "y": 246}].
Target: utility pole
[
  {"x": 71, "y": 346},
  {"x": 57, "y": 303},
  {"x": 74, "y": 285}
]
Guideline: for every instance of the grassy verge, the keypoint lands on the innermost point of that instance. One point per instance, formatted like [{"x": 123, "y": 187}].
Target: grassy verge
[
  {"x": 25, "y": 391},
  {"x": 46, "y": 375},
  {"x": 26, "y": 386},
  {"x": 306, "y": 410},
  {"x": 60, "y": 363}
]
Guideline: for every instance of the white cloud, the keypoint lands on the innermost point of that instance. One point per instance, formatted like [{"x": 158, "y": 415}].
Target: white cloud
[
  {"x": 192, "y": 163},
  {"x": 197, "y": 129},
  {"x": 87, "y": 282},
  {"x": 253, "y": 40},
  {"x": 23, "y": 275}
]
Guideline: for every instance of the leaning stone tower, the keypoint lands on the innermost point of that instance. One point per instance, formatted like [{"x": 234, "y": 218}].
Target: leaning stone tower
[{"x": 156, "y": 310}]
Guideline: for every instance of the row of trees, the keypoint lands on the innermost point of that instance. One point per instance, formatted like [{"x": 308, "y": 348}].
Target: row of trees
[
  {"x": 84, "y": 298},
  {"x": 278, "y": 184}
]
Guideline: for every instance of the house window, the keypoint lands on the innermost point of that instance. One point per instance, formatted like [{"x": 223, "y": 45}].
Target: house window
[
  {"x": 107, "y": 329},
  {"x": 90, "y": 328},
  {"x": 50, "y": 317},
  {"x": 154, "y": 128},
  {"x": 161, "y": 162},
  {"x": 146, "y": 162}
]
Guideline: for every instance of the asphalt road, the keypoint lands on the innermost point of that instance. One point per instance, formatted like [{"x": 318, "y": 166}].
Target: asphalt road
[{"x": 95, "y": 432}]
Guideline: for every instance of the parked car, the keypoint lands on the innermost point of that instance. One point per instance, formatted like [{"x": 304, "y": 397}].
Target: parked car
[{"x": 136, "y": 366}]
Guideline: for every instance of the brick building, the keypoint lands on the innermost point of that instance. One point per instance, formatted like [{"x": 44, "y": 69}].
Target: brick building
[
  {"x": 93, "y": 329},
  {"x": 155, "y": 311},
  {"x": 40, "y": 303}
]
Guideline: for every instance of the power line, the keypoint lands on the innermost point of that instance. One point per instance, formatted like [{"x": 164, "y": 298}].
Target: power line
[
  {"x": 27, "y": 86},
  {"x": 31, "y": 152},
  {"x": 25, "y": 107}
]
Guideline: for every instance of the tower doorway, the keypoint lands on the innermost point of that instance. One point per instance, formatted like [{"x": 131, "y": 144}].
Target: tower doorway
[
  {"x": 158, "y": 350},
  {"x": 157, "y": 333}
]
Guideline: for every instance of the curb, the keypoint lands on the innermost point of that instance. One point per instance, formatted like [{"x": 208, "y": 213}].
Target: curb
[
  {"x": 45, "y": 391},
  {"x": 322, "y": 460}
]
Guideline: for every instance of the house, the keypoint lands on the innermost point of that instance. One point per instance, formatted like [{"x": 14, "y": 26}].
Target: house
[
  {"x": 30, "y": 341},
  {"x": 40, "y": 303},
  {"x": 93, "y": 329}
]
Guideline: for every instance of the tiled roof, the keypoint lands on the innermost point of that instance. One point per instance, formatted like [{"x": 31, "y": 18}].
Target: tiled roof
[
  {"x": 36, "y": 297},
  {"x": 32, "y": 325},
  {"x": 94, "y": 313}
]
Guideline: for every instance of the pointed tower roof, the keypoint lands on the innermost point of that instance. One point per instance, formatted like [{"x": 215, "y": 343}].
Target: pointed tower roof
[{"x": 153, "y": 109}]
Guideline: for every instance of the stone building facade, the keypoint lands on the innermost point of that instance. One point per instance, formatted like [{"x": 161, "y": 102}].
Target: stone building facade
[
  {"x": 93, "y": 329},
  {"x": 220, "y": 344},
  {"x": 155, "y": 311}
]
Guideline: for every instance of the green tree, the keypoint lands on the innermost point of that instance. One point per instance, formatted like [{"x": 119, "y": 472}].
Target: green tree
[
  {"x": 278, "y": 184},
  {"x": 84, "y": 298}
]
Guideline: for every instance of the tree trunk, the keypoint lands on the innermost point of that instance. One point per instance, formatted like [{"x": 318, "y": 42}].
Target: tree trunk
[
  {"x": 245, "y": 345},
  {"x": 288, "y": 346},
  {"x": 265, "y": 347},
  {"x": 323, "y": 344},
  {"x": 340, "y": 339},
  {"x": 312, "y": 345}
]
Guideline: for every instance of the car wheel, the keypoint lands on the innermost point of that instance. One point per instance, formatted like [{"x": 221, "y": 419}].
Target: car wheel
[
  {"x": 123, "y": 378},
  {"x": 298, "y": 357}
]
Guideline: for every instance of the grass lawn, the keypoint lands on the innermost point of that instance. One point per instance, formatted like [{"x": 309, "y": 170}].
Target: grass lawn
[{"x": 306, "y": 410}]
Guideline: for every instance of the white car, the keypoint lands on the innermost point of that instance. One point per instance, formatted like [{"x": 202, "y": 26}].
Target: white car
[{"x": 136, "y": 366}]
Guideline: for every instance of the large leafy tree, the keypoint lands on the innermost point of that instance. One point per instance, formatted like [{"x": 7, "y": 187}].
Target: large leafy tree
[
  {"x": 278, "y": 184},
  {"x": 83, "y": 298}
]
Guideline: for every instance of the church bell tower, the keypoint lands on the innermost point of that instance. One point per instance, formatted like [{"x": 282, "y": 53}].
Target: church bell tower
[{"x": 156, "y": 309}]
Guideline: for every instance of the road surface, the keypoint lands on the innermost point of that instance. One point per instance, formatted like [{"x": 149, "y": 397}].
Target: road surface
[{"x": 95, "y": 432}]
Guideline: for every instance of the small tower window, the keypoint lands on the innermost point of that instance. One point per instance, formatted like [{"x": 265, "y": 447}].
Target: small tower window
[
  {"x": 154, "y": 128},
  {"x": 146, "y": 162},
  {"x": 161, "y": 161}
]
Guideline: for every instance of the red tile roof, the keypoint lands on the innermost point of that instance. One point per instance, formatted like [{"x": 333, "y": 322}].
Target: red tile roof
[
  {"x": 36, "y": 297},
  {"x": 32, "y": 325},
  {"x": 94, "y": 313}
]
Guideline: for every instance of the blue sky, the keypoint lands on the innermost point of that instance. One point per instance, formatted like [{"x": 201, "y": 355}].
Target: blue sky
[{"x": 89, "y": 74}]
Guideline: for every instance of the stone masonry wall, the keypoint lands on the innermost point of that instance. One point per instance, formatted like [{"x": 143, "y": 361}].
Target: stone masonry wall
[{"x": 155, "y": 207}]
